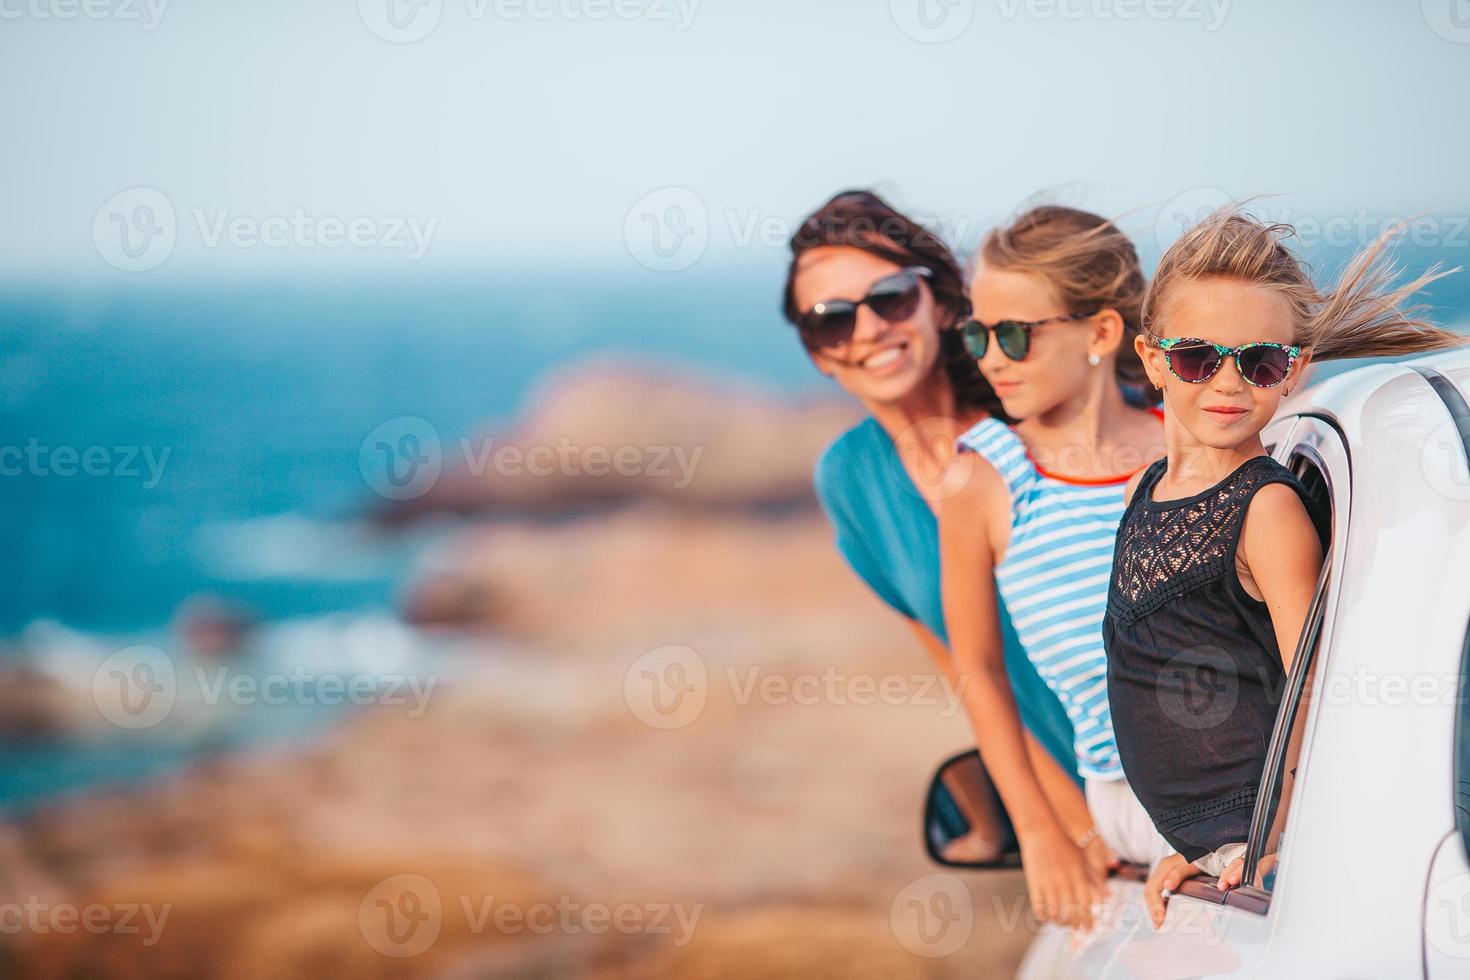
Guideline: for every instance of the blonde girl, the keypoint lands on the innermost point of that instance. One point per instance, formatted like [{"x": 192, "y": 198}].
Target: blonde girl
[
  {"x": 1057, "y": 297},
  {"x": 1217, "y": 555}
]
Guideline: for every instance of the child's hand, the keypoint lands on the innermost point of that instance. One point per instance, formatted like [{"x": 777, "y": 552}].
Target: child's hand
[
  {"x": 1062, "y": 881},
  {"x": 1100, "y": 856},
  {"x": 1235, "y": 871},
  {"x": 1167, "y": 874}
]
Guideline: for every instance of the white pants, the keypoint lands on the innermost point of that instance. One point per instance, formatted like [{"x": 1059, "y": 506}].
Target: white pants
[
  {"x": 1215, "y": 862},
  {"x": 1123, "y": 823}
]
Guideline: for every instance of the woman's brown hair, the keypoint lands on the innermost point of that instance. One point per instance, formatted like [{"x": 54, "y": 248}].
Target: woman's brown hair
[
  {"x": 1091, "y": 266},
  {"x": 1364, "y": 315},
  {"x": 862, "y": 220}
]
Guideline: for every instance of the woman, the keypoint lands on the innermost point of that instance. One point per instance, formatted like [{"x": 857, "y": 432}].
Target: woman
[{"x": 876, "y": 299}]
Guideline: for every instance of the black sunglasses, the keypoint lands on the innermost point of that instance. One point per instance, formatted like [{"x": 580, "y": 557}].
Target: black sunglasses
[
  {"x": 894, "y": 298},
  {"x": 1013, "y": 337},
  {"x": 1262, "y": 364}
]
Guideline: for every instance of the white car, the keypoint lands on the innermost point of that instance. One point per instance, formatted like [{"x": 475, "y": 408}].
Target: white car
[{"x": 1372, "y": 878}]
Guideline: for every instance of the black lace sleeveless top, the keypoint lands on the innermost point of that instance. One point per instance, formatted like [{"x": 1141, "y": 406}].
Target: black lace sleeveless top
[{"x": 1194, "y": 669}]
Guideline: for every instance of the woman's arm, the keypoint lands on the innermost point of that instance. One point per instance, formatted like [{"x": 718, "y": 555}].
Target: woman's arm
[{"x": 1063, "y": 884}]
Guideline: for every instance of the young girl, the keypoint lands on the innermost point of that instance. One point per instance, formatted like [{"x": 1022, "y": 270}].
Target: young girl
[
  {"x": 1217, "y": 554},
  {"x": 1034, "y": 511}
]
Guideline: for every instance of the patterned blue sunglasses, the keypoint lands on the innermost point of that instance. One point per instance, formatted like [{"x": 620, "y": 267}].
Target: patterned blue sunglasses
[{"x": 1263, "y": 364}]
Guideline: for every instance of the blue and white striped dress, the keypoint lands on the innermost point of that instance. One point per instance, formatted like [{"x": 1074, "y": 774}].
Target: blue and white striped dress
[{"x": 1054, "y": 581}]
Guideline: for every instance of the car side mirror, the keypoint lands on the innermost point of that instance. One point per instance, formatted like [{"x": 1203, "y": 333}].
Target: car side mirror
[{"x": 965, "y": 823}]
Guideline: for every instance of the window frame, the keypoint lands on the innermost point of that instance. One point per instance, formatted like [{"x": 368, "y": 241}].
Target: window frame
[
  {"x": 1459, "y": 412},
  {"x": 1246, "y": 896},
  {"x": 1460, "y": 753}
]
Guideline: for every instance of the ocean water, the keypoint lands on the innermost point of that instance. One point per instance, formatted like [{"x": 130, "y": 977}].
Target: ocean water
[
  {"x": 225, "y": 420},
  {"x": 230, "y": 420}
]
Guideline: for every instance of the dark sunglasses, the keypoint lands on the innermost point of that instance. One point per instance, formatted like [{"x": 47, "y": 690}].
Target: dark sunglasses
[
  {"x": 1013, "y": 337},
  {"x": 894, "y": 298},
  {"x": 1263, "y": 364}
]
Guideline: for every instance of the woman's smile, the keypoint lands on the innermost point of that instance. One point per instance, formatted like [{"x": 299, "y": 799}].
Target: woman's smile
[{"x": 887, "y": 359}]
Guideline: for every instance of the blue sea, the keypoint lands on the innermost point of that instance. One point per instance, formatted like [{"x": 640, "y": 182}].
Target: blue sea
[
  {"x": 255, "y": 400},
  {"x": 225, "y": 422}
]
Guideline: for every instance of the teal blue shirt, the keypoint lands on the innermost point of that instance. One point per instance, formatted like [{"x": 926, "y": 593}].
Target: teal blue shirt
[{"x": 888, "y": 534}]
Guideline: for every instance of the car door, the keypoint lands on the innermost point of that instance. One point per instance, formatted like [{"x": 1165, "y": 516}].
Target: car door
[
  {"x": 1447, "y": 891},
  {"x": 1208, "y": 932}
]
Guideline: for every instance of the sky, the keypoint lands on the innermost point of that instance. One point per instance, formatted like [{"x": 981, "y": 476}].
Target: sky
[{"x": 210, "y": 138}]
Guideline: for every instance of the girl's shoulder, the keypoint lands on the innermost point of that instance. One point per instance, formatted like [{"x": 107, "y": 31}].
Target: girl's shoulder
[
  {"x": 1279, "y": 499},
  {"x": 997, "y": 447},
  {"x": 986, "y": 434},
  {"x": 1144, "y": 475},
  {"x": 1259, "y": 472},
  {"x": 997, "y": 443}
]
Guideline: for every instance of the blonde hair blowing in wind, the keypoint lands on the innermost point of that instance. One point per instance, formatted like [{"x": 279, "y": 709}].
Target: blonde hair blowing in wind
[{"x": 1363, "y": 315}]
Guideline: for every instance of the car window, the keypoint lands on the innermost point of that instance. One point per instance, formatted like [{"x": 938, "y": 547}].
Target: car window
[
  {"x": 1283, "y": 754},
  {"x": 1462, "y": 752}
]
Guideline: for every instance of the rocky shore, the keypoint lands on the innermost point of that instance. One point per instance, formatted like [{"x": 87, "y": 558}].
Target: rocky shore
[
  {"x": 548, "y": 814},
  {"x": 607, "y": 433}
]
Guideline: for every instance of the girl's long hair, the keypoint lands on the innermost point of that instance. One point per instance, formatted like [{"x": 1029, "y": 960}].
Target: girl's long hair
[{"x": 1364, "y": 315}]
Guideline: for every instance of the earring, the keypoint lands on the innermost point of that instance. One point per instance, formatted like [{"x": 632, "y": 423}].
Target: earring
[{"x": 1094, "y": 360}]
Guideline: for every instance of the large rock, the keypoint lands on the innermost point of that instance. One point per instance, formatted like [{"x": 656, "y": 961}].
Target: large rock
[
  {"x": 33, "y": 705},
  {"x": 784, "y": 809},
  {"x": 606, "y": 433}
]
